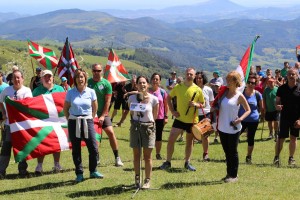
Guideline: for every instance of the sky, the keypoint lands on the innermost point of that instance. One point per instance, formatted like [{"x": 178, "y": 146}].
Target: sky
[{"x": 38, "y": 6}]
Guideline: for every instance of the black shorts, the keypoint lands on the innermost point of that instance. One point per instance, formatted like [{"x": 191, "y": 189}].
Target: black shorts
[
  {"x": 118, "y": 103},
  {"x": 184, "y": 126},
  {"x": 286, "y": 128},
  {"x": 106, "y": 122},
  {"x": 272, "y": 116}
]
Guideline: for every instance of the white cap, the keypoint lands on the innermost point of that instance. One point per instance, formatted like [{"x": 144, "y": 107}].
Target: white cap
[{"x": 46, "y": 71}]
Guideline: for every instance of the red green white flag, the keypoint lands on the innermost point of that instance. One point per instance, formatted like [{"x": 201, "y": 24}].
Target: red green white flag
[
  {"x": 46, "y": 57},
  {"x": 38, "y": 126},
  {"x": 245, "y": 64},
  {"x": 67, "y": 64},
  {"x": 114, "y": 70}
]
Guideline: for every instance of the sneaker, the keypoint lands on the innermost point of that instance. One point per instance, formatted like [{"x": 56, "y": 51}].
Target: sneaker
[
  {"x": 39, "y": 169},
  {"x": 96, "y": 175},
  {"x": 248, "y": 160},
  {"x": 180, "y": 139},
  {"x": 223, "y": 179},
  {"x": 216, "y": 141},
  {"x": 205, "y": 157},
  {"x": 276, "y": 160},
  {"x": 197, "y": 141},
  {"x": 166, "y": 165},
  {"x": 137, "y": 181},
  {"x": 117, "y": 125},
  {"x": 231, "y": 180},
  {"x": 158, "y": 157},
  {"x": 189, "y": 167},
  {"x": 79, "y": 178},
  {"x": 271, "y": 136},
  {"x": 57, "y": 168},
  {"x": 23, "y": 173},
  {"x": 146, "y": 183},
  {"x": 118, "y": 162},
  {"x": 291, "y": 161}
]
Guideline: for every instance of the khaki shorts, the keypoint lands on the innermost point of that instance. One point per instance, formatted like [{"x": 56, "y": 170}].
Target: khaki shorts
[{"x": 143, "y": 130}]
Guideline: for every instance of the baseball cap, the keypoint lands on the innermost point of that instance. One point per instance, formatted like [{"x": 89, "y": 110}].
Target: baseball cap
[
  {"x": 38, "y": 69},
  {"x": 44, "y": 72},
  {"x": 218, "y": 83},
  {"x": 173, "y": 72},
  {"x": 63, "y": 79}
]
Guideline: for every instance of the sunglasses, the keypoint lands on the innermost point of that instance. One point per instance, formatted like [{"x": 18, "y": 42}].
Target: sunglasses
[
  {"x": 94, "y": 70},
  {"x": 249, "y": 82}
]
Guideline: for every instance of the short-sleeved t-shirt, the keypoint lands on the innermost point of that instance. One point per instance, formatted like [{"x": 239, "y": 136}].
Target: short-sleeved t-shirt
[
  {"x": 42, "y": 90},
  {"x": 254, "y": 105},
  {"x": 183, "y": 95},
  {"x": 208, "y": 96},
  {"x": 291, "y": 103},
  {"x": 161, "y": 99},
  {"x": 269, "y": 96},
  {"x": 81, "y": 103},
  {"x": 148, "y": 114},
  {"x": 22, "y": 93},
  {"x": 102, "y": 88}
]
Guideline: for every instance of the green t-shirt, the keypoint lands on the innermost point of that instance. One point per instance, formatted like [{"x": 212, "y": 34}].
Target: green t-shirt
[
  {"x": 269, "y": 96},
  {"x": 42, "y": 90},
  {"x": 101, "y": 88},
  {"x": 283, "y": 72}
]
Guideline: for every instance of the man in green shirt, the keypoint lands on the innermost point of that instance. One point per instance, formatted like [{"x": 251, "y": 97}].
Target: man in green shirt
[
  {"x": 103, "y": 91},
  {"x": 47, "y": 87},
  {"x": 285, "y": 68},
  {"x": 271, "y": 114}
]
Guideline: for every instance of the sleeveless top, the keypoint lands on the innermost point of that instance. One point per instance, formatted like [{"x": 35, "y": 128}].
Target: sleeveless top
[{"x": 229, "y": 112}]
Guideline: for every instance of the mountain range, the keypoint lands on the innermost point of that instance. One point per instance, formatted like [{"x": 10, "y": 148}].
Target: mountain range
[{"x": 218, "y": 43}]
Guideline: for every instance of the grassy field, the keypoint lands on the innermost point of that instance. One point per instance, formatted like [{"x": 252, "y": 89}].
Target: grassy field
[{"x": 261, "y": 180}]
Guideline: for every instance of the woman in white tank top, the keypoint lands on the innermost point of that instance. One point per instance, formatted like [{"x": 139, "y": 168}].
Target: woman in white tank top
[{"x": 229, "y": 124}]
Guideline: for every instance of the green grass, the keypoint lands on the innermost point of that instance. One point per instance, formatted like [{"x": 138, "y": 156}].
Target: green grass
[{"x": 261, "y": 180}]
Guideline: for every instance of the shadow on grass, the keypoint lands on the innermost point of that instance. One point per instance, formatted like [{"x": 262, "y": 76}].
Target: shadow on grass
[
  {"x": 45, "y": 186},
  {"x": 170, "y": 186},
  {"x": 33, "y": 175},
  {"x": 119, "y": 189}
]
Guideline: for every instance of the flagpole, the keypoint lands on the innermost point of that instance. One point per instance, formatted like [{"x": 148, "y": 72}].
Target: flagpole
[{"x": 32, "y": 66}]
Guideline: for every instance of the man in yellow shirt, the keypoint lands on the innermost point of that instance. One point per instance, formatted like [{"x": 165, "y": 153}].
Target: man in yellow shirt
[{"x": 189, "y": 99}]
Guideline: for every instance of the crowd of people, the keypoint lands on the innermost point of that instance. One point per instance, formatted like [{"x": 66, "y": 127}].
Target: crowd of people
[{"x": 266, "y": 96}]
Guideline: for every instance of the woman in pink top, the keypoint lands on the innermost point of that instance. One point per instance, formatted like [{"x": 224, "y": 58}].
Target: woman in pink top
[{"x": 162, "y": 117}]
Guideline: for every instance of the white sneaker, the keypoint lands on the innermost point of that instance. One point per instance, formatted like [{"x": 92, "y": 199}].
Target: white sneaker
[
  {"x": 146, "y": 184},
  {"x": 118, "y": 162}
]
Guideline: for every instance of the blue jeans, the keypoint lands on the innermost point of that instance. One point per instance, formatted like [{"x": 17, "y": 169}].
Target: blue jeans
[
  {"x": 91, "y": 144},
  {"x": 230, "y": 143}
]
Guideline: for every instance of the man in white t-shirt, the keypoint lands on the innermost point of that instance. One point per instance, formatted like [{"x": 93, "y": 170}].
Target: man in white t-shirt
[{"x": 17, "y": 91}]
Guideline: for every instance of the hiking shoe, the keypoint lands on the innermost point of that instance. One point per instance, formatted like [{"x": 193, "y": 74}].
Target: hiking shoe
[
  {"x": 189, "y": 167},
  {"x": 57, "y": 168},
  {"x": 231, "y": 180},
  {"x": 270, "y": 136},
  {"x": 96, "y": 175},
  {"x": 205, "y": 157},
  {"x": 79, "y": 178},
  {"x": 146, "y": 183},
  {"x": 216, "y": 141},
  {"x": 180, "y": 139},
  {"x": 39, "y": 169},
  {"x": 291, "y": 161},
  {"x": 166, "y": 165},
  {"x": 137, "y": 181},
  {"x": 158, "y": 157},
  {"x": 118, "y": 162},
  {"x": 223, "y": 179},
  {"x": 248, "y": 160},
  {"x": 276, "y": 161}
]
